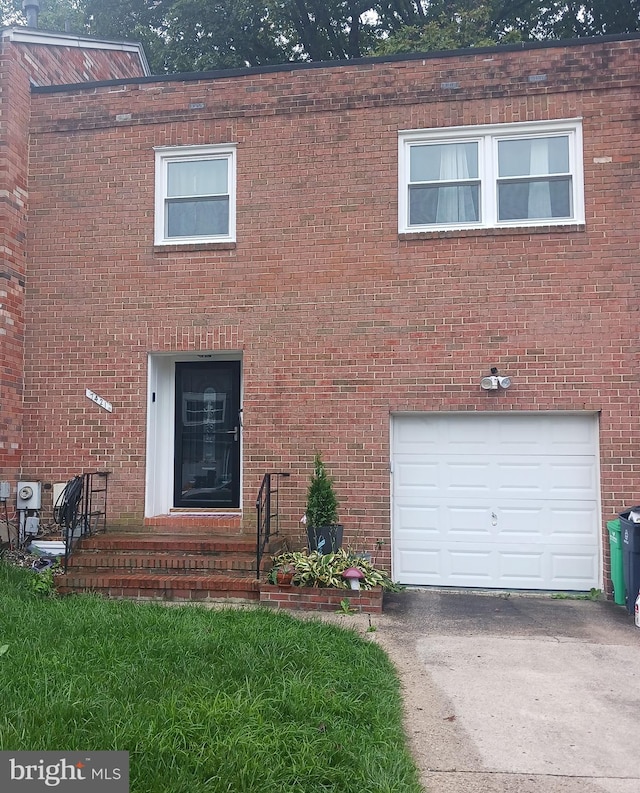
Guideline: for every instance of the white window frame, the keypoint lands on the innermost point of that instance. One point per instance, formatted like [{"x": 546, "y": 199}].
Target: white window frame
[
  {"x": 487, "y": 137},
  {"x": 168, "y": 154}
]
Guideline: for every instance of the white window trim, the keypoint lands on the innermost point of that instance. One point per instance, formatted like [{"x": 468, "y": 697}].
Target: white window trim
[
  {"x": 167, "y": 154},
  {"x": 487, "y": 137}
]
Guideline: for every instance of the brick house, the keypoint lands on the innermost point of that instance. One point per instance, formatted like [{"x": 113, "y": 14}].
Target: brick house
[{"x": 255, "y": 265}]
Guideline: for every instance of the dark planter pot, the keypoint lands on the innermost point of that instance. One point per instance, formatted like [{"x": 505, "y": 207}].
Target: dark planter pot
[{"x": 325, "y": 539}]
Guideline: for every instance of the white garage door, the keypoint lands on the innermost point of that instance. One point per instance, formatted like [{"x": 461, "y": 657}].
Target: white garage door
[{"x": 506, "y": 501}]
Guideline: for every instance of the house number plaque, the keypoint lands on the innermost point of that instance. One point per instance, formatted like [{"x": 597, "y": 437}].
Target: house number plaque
[{"x": 99, "y": 401}]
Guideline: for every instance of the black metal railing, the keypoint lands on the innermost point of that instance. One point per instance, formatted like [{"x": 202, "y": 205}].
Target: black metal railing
[
  {"x": 268, "y": 515},
  {"x": 81, "y": 509}
]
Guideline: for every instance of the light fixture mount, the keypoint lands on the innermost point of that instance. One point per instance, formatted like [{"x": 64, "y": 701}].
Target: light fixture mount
[{"x": 495, "y": 381}]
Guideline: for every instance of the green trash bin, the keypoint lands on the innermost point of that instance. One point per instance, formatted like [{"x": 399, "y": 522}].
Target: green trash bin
[{"x": 617, "y": 563}]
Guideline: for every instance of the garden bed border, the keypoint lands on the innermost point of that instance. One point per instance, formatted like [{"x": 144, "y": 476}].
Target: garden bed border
[{"x": 321, "y": 598}]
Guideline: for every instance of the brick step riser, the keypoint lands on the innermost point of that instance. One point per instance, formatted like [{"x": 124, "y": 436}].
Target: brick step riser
[
  {"x": 166, "y": 595},
  {"x": 148, "y": 586},
  {"x": 145, "y": 557},
  {"x": 193, "y": 531},
  {"x": 104, "y": 544},
  {"x": 165, "y": 566},
  {"x": 191, "y": 525}
]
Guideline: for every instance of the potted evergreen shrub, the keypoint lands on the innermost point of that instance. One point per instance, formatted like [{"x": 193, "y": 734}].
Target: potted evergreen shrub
[{"x": 324, "y": 533}]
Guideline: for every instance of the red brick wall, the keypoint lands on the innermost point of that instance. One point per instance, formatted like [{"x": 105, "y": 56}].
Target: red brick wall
[
  {"x": 14, "y": 120},
  {"x": 43, "y": 65},
  {"x": 53, "y": 64},
  {"x": 339, "y": 320}
]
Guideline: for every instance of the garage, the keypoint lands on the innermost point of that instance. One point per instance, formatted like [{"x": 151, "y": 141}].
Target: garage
[{"x": 496, "y": 500}]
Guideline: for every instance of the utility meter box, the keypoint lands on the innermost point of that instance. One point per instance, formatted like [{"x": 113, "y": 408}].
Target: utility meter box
[
  {"x": 29, "y": 495},
  {"x": 32, "y": 525},
  {"x": 5, "y": 490}
]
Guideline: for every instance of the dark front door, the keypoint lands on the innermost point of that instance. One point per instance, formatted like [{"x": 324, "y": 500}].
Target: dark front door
[{"x": 207, "y": 443}]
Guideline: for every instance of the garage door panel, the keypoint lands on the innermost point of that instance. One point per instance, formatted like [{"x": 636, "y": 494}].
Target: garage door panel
[
  {"x": 526, "y": 439},
  {"x": 497, "y": 500},
  {"x": 419, "y": 434},
  {"x": 467, "y": 477},
  {"x": 462, "y": 523},
  {"x": 578, "y": 434},
  {"x": 418, "y": 522},
  {"x": 519, "y": 523},
  {"x": 572, "y": 478},
  {"x": 412, "y": 474},
  {"x": 425, "y": 566},
  {"x": 550, "y": 522},
  {"x": 475, "y": 563},
  {"x": 549, "y": 434},
  {"x": 519, "y": 478},
  {"x": 479, "y": 566},
  {"x": 514, "y": 522},
  {"x": 518, "y": 567},
  {"x": 572, "y": 570},
  {"x": 463, "y": 437},
  {"x": 576, "y": 524},
  {"x": 567, "y": 477}
]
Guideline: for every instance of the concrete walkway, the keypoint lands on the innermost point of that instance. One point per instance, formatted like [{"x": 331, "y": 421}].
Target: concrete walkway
[{"x": 517, "y": 694}]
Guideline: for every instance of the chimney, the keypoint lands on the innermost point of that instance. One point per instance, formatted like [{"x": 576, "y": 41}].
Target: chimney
[{"x": 31, "y": 9}]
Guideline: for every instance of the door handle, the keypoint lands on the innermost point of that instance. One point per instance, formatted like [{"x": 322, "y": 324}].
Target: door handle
[{"x": 233, "y": 432}]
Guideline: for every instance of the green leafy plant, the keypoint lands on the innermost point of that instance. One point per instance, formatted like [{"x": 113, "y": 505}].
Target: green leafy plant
[
  {"x": 322, "y": 503},
  {"x": 3, "y": 649},
  {"x": 43, "y": 583},
  {"x": 315, "y": 569},
  {"x": 592, "y": 594},
  {"x": 345, "y": 607}
]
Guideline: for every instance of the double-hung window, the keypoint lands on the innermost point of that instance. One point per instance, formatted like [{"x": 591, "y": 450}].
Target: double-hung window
[
  {"x": 495, "y": 176},
  {"x": 195, "y": 194}
]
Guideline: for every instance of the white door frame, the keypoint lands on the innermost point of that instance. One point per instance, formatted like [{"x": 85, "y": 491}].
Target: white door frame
[{"x": 161, "y": 397}]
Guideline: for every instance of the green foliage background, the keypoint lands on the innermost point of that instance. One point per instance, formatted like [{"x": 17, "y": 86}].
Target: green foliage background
[{"x": 200, "y": 35}]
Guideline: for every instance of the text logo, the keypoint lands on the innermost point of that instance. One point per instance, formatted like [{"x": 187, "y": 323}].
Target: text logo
[{"x": 65, "y": 772}]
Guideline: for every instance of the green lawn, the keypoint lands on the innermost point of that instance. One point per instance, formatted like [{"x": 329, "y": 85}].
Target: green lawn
[{"x": 231, "y": 700}]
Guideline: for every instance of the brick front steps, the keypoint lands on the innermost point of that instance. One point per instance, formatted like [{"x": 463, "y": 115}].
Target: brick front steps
[
  {"x": 169, "y": 554},
  {"x": 147, "y": 566}
]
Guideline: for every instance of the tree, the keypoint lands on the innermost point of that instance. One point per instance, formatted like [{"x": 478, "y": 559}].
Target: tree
[
  {"x": 566, "y": 19},
  {"x": 454, "y": 27},
  {"x": 322, "y": 503},
  {"x": 224, "y": 34},
  {"x": 195, "y": 35},
  {"x": 54, "y": 14}
]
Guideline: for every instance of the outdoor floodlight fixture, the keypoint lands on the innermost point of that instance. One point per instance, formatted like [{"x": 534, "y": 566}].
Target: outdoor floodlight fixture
[{"x": 494, "y": 381}]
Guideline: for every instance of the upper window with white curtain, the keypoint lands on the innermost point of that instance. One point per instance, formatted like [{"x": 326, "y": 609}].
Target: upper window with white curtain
[
  {"x": 195, "y": 194},
  {"x": 491, "y": 176}
]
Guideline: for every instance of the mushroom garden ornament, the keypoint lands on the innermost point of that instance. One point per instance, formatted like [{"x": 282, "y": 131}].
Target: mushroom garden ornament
[{"x": 353, "y": 576}]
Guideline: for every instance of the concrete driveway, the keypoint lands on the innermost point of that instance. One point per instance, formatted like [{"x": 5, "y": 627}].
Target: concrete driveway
[{"x": 515, "y": 693}]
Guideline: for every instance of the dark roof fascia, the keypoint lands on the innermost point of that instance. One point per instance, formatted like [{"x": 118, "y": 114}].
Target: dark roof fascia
[{"x": 291, "y": 66}]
